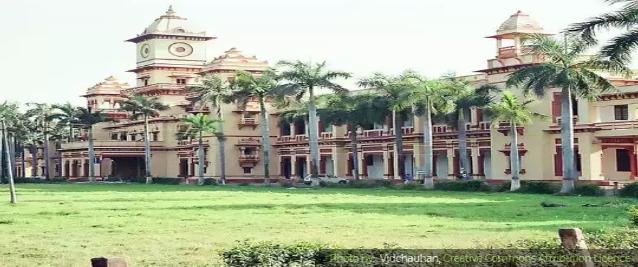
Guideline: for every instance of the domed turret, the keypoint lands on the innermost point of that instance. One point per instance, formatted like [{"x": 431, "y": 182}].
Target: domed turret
[
  {"x": 519, "y": 23},
  {"x": 171, "y": 24}
]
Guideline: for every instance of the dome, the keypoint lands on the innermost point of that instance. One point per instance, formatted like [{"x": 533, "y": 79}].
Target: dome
[
  {"x": 520, "y": 22},
  {"x": 171, "y": 23}
]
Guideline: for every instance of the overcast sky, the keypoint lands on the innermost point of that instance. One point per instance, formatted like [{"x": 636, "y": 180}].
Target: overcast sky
[{"x": 52, "y": 51}]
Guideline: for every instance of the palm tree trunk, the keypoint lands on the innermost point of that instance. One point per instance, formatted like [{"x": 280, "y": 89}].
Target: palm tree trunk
[
  {"x": 147, "y": 152},
  {"x": 514, "y": 159},
  {"x": 355, "y": 152},
  {"x": 12, "y": 152},
  {"x": 34, "y": 160},
  {"x": 200, "y": 158},
  {"x": 313, "y": 137},
  {"x": 1, "y": 156},
  {"x": 265, "y": 140},
  {"x": 428, "y": 147},
  {"x": 567, "y": 141},
  {"x": 70, "y": 132},
  {"x": 398, "y": 143},
  {"x": 23, "y": 159},
  {"x": 222, "y": 144},
  {"x": 46, "y": 152},
  {"x": 462, "y": 144},
  {"x": 12, "y": 188},
  {"x": 91, "y": 156}
]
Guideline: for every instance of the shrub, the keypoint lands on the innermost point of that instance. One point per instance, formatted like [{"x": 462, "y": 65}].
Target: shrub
[
  {"x": 165, "y": 180},
  {"x": 27, "y": 180},
  {"x": 539, "y": 187},
  {"x": 589, "y": 190},
  {"x": 287, "y": 184},
  {"x": 411, "y": 185},
  {"x": 629, "y": 190},
  {"x": 244, "y": 183},
  {"x": 248, "y": 254},
  {"x": 210, "y": 181},
  {"x": 467, "y": 185},
  {"x": 633, "y": 212}
]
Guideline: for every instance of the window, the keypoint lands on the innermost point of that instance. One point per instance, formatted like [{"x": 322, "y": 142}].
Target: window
[
  {"x": 369, "y": 160},
  {"x": 327, "y": 127},
  {"x": 623, "y": 161},
  {"x": 621, "y": 112},
  {"x": 145, "y": 82},
  {"x": 155, "y": 136},
  {"x": 123, "y": 136},
  {"x": 181, "y": 81},
  {"x": 115, "y": 136},
  {"x": 247, "y": 170},
  {"x": 249, "y": 151},
  {"x": 285, "y": 129}
]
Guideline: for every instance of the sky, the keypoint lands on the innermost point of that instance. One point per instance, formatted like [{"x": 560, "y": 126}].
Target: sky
[{"x": 52, "y": 51}]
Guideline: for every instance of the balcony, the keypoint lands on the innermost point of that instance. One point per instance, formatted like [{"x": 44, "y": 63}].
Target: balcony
[
  {"x": 109, "y": 143},
  {"x": 507, "y": 52},
  {"x": 247, "y": 142},
  {"x": 326, "y": 135},
  {"x": 153, "y": 87},
  {"x": 293, "y": 139},
  {"x": 197, "y": 110},
  {"x": 617, "y": 125},
  {"x": 248, "y": 122},
  {"x": 194, "y": 142},
  {"x": 248, "y": 160}
]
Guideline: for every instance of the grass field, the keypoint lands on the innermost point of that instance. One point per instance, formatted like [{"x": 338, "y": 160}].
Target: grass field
[{"x": 157, "y": 225}]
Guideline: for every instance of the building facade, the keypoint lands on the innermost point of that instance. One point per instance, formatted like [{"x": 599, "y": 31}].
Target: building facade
[{"x": 171, "y": 55}]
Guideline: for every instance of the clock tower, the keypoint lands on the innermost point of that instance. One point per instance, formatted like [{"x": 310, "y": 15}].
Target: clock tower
[{"x": 170, "y": 52}]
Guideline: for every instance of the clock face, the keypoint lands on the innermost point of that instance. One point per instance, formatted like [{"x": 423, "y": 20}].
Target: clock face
[
  {"x": 145, "y": 50},
  {"x": 180, "y": 49}
]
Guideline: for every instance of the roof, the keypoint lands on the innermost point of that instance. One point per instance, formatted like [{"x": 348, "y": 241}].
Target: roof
[
  {"x": 520, "y": 23},
  {"x": 171, "y": 24}
]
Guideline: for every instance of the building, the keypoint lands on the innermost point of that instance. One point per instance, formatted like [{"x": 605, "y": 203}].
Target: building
[{"x": 171, "y": 55}]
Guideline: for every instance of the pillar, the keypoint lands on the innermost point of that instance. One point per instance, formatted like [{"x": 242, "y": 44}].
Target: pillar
[
  {"x": 476, "y": 171},
  {"x": 361, "y": 163},
  {"x": 395, "y": 163},
  {"x": 419, "y": 157},
  {"x": 597, "y": 114},
  {"x": 386, "y": 164},
  {"x": 339, "y": 162},
  {"x": 632, "y": 157},
  {"x": 293, "y": 166},
  {"x": 81, "y": 167},
  {"x": 450, "y": 162},
  {"x": 64, "y": 170}
]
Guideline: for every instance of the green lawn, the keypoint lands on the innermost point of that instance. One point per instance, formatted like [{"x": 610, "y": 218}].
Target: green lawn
[{"x": 162, "y": 225}]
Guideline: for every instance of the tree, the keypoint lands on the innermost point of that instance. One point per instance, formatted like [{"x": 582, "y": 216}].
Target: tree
[
  {"x": 65, "y": 114},
  {"x": 32, "y": 140},
  {"x": 516, "y": 113},
  {"x": 145, "y": 108},
  {"x": 397, "y": 91},
  {"x": 465, "y": 97},
  {"x": 197, "y": 126},
  {"x": 260, "y": 87},
  {"x": 8, "y": 115},
  {"x": 356, "y": 111},
  {"x": 566, "y": 70},
  {"x": 618, "y": 49},
  {"x": 86, "y": 118},
  {"x": 41, "y": 115},
  {"x": 216, "y": 92},
  {"x": 301, "y": 78},
  {"x": 428, "y": 97}
]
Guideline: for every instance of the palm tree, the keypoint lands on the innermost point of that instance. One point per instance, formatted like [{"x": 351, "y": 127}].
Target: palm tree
[
  {"x": 197, "y": 126},
  {"x": 8, "y": 115},
  {"x": 32, "y": 140},
  {"x": 145, "y": 108},
  {"x": 428, "y": 97},
  {"x": 516, "y": 113},
  {"x": 303, "y": 78},
  {"x": 216, "y": 92},
  {"x": 397, "y": 91},
  {"x": 566, "y": 70},
  {"x": 260, "y": 87},
  {"x": 465, "y": 97},
  {"x": 65, "y": 114},
  {"x": 41, "y": 115},
  {"x": 356, "y": 111},
  {"x": 619, "y": 49},
  {"x": 86, "y": 118}
]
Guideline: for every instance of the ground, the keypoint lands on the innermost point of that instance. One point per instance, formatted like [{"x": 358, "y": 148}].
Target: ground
[{"x": 164, "y": 225}]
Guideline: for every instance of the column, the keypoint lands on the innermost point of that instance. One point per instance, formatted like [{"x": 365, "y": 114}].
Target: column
[
  {"x": 64, "y": 171},
  {"x": 386, "y": 165},
  {"x": 632, "y": 157},
  {"x": 339, "y": 162},
  {"x": 597, "y": 114},
  {"x": 419, "y": 158},
  {"x": 363, "y": 167},
  {"x": 475, "y": 161},
  {"x": 81, "y": 167},
  {"x": 450, "y": 163},
  {"x": 293, "y": 166},
  {"x": 395, "y": 163}
]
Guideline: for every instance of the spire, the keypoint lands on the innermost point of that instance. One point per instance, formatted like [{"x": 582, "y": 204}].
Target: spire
[{"x": 170, "y": 11}]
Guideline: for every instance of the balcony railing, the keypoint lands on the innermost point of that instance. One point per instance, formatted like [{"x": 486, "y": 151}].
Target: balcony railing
[
  {"x": 194, "y": 142},
  {"x": 248, "y": 160},
  {"x": 161, "y": 86},
  {"x": 250, "y": 122},
  {"x": 326, "y": 135},
  {"x": 374, "y": 133},
  {"x": 296, "y": 138},
  {"x": 109, "y": 143},
  {"x": 618, "y": 125}
]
